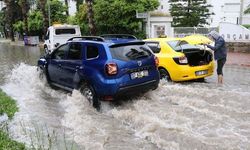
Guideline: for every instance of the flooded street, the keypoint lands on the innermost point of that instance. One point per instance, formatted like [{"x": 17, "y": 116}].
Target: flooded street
[{"x": 183, "y": 116}]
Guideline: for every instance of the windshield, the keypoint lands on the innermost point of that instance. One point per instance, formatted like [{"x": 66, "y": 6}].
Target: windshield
[
  {"x": 130, "y": 52},
  {"x": 181, "y": 45}
]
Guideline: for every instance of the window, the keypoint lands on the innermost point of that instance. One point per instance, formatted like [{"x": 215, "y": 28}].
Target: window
[
  {"x": 75, "y": 51},
  {"x": 65, "y": 31},
  {"x": 92, "y": 52},
  {"x": 181, "y": 45},
  {"x": 60, "y": 51},
  {"x": 154, "y": 46},
  {"x": 130, "y": 52}
]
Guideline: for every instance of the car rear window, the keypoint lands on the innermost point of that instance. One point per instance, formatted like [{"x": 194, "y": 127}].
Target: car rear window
[
  {"x": 65, "y": 31},
  {"x": 155, "y": 46},
  {"x": 130, "y": 52},
  {"x": 181, "y": 45}
]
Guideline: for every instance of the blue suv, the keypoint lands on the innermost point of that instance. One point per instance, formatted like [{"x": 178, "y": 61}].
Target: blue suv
[{"x": 101, "y": 69}]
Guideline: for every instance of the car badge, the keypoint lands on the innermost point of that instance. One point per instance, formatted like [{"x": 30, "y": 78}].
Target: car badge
[{"x": 139, "y": 63}]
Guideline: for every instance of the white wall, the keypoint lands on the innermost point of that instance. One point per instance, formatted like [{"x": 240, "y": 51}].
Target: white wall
[{"x": 233, "y": 32}]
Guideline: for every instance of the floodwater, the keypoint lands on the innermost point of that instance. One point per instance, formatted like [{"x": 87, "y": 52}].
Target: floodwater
[{"x": 183, "y": 116}]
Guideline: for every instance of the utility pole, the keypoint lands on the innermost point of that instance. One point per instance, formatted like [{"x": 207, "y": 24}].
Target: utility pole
[
  {"x": 241, "y": 11},
  {"x": 49, "y": 12}
]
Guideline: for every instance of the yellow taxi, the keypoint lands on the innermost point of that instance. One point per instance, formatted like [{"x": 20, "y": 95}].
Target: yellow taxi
[{"x": 182, "y": 59}]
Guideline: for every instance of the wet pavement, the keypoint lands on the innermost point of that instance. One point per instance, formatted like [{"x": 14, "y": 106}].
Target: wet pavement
[
  {"x": 241, "y": 59},
  {"x": 190, "y": 115}
]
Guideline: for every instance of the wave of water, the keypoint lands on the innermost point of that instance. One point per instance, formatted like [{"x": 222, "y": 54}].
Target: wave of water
[{"x": 175, "y": 116}]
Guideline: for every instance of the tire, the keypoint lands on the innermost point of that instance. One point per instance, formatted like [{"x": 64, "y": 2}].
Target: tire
[
  {"x": 164, "y": 75},
  {"x": 87, "y": 91}
]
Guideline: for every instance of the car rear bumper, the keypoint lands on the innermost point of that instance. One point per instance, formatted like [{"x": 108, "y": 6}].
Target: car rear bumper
[
  {"x": 128, "y": 91},
  {"x": 186, "y": 72},
  {"x": 138, "y": 88}
]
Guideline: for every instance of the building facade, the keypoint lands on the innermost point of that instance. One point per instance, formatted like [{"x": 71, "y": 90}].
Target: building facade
[{"x": 231, "y": 11}]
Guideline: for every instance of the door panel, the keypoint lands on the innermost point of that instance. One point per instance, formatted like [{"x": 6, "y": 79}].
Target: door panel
[
  {"x": 72, "y": 63},
  {"x": 55, "y": 64}
]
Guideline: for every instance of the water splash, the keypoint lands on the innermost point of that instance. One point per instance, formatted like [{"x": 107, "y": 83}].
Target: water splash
[{"x": 175, "y": 116}]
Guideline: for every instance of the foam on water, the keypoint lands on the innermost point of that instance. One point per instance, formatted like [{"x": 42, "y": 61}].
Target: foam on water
[
  {"x": 175, "y": 116},
  {"x": 191, "y": 117},
  {"x": 36, "y": 113}
]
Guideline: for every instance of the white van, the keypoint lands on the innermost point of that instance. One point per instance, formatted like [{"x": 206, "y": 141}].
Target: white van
[{"x": 59, "y": 34}]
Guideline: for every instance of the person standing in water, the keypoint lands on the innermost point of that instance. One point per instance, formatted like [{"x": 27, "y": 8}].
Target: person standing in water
[{"x": 220, "y": 53}]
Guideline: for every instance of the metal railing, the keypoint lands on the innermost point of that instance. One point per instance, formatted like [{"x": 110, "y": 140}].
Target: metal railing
[{"x": 185, "y": 31}]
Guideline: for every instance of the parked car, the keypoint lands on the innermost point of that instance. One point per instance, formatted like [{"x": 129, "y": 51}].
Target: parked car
[
  {"x": 181, "y": 61},
  {"x": 59, "y": 34},
  {"x": 120, "y": 37},
  {"x": 101, "y": 70}
]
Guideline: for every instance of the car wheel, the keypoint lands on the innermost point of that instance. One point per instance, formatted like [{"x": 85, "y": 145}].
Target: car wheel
[
  {"x": 90, "y": 95},
  {"x": 164, "y": 75}
]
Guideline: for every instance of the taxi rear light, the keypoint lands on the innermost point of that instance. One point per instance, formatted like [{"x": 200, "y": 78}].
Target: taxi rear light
[{"x": 181, "y": 60}]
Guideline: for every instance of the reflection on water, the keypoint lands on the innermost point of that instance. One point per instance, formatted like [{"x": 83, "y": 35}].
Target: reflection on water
[
  {"x": 175, "y": 116},
  {"x": 11, "y": 55}
]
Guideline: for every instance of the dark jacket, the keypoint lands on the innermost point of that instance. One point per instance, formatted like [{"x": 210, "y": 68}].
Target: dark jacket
[{"x": 219, "y": 48}]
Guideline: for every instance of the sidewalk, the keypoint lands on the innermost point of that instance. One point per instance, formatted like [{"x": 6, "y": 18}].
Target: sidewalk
[{"x": 242, "y": 59}]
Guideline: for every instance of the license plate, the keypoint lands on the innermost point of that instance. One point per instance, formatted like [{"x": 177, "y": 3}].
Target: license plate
[
  {"x": 200, "y": 73},
  {"x": 139, "y": 74}
]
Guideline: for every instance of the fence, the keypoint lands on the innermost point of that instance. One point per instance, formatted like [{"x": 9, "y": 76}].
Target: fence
[{"x": 185, "y": 31}]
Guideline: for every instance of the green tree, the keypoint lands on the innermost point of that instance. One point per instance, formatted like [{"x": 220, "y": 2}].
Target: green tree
[
  {"x": 189, "y": 13},
  {"x": 18, "y": 27},
  {"x": 119, "y": 16},
  {"x": 57, "y": 12},
  {"x": 25, "y": 9},
  {"x": 90, "y": 16},
  {"x": 247, "y": 11},
  {"x": 42, "y": 7},
  {"x": 67, "y": 7},
  {"x": 78, "y": 4},
  {"x": 80, "y": 19},
  {"x": 10, "y": 15},
  {"x": 35, "y": 23}
]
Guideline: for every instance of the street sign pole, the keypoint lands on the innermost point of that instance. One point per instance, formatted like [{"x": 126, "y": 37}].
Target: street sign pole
[{"x": 145, "y": 15}]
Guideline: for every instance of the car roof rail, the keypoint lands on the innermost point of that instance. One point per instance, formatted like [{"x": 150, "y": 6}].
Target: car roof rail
[
  {"x": 91, "y": 38},
  {"x": 118, "y": 36}
]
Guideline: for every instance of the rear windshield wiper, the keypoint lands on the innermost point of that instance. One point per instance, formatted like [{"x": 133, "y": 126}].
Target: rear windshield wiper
[{"x": 135, "y": 54}]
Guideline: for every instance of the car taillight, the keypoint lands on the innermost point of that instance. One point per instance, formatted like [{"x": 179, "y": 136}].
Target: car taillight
[
  {"x": 156, "y": 61},
  {"x": 111, "y": 69},
  {"x": 181, "y": 60}
]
